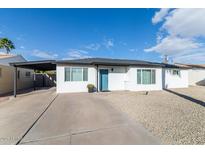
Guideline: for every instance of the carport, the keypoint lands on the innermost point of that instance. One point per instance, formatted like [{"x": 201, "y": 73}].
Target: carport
[{"x": 44, "y": 65}]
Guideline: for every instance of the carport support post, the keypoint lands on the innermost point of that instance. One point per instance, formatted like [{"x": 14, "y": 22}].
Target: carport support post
[
  {"x": 15, "y": 80},
  {"x": 34, "y": 80},
  {"x": 97, "y": 79}
]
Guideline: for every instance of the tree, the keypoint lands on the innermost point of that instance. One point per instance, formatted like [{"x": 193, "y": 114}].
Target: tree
[{"x": 7, "y": 44}]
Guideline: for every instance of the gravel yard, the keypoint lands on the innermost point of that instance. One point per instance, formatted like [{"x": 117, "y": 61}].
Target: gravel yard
[{"x": 172, "y": 118}]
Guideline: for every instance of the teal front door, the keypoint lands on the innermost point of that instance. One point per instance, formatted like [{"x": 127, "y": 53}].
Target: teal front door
[{"x": 103, "y": 80}]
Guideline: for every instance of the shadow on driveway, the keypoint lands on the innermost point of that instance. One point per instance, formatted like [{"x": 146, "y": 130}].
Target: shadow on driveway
[{"x": 187, "y": 97}]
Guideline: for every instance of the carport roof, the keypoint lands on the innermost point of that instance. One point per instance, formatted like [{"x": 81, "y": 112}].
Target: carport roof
[{"x": 44, "y": 65}]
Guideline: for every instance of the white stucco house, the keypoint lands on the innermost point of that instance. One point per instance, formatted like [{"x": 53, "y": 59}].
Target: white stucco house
[
  {"x": 24, "y": 76},
  {"x": 118, "y": 74},
  {"x": 111, "y": 74}
]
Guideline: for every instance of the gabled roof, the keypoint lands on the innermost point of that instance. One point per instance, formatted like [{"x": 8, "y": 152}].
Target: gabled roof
[{"x": 6, "y": 59}]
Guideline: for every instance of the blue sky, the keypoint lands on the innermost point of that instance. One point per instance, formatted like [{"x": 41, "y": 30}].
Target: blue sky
[{"x": 79, "y": 33}]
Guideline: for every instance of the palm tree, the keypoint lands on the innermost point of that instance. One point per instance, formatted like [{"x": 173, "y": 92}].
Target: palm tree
[{"x": 7, "y": 44}]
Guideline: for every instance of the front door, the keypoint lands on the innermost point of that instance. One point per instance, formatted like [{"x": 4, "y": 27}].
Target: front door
[{"x": 103, "y": 80}]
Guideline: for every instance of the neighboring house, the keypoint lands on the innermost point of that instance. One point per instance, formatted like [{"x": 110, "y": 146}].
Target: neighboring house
[
  {"x": 117, "y": 74},
  {"x": 24, "y": 76},
  {"x": 196, "y": 73}
]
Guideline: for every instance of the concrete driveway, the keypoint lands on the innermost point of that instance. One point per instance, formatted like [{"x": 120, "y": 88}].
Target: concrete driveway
[{"x": 80, "y": 118}]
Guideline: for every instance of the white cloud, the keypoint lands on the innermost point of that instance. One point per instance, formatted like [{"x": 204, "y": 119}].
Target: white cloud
[
  {"x": 20, "y": 38},
  {"x": 77, "y": 54},
  {"x": 93, "y": 46},
  {"x": 197, "y": 56},
  {"x": 185, "y": 22},
  {"x": 123, "y": 43},
  {"x": 44, "y": 54},
  {"x": 108, "y": 43},
  {"x": 181, "y": 34},
  {"x": 133, "y": 50},
  {"x": 159, "y": 16},
  {"x": 22, "y": 47},
  {"x": 171, "y": 45}
]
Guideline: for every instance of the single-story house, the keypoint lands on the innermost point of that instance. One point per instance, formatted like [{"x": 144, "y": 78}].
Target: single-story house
[
  {"x": 118, "y": 74},
  {"x": 196, "y": 73},
  {"x": 24, "y": 76},
  {"x": 111, "y": 74}
]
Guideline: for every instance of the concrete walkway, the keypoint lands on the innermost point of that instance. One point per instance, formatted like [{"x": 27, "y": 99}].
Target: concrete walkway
[
  {"x": 17, "y": 115},
  {"x": 79, "y": 118}
]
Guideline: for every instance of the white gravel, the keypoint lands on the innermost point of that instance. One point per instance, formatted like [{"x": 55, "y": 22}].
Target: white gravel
[{"x": 173, "y": 119}]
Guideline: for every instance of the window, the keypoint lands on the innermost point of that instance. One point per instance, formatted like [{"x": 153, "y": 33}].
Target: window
[
  {"x": 176, "y": 72},
  {"x": 85, "y": 74},
  {"x": 67, "y": 74},
  {"x": 153, "y": 76},
  {"x": 139, "y": 76},
  {"x": 18, "y": 74},
  {"x": 76, "y": 74},
  {"x": 0, "y": 72},
  {"x": 146, "y": 76},
  {"x": 28, "y": 74}
]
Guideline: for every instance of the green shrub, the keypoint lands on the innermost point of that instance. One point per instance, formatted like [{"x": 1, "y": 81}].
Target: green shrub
[{"x": 91, "y": 88}]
